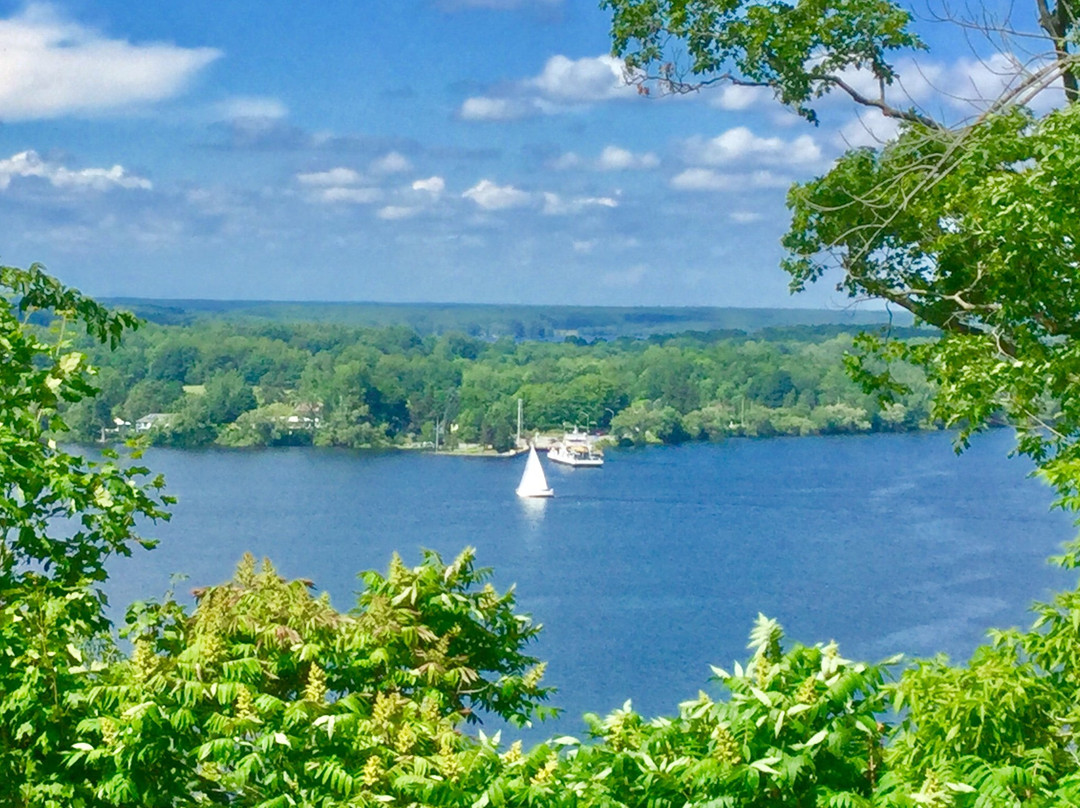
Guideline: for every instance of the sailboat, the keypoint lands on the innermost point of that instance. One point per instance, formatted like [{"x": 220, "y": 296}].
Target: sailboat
[{"x": 533, "y": 482}]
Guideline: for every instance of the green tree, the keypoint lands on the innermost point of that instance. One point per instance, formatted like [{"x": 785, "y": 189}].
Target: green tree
[
  {"x": 972, "y": 227},
  {"x": 227, "y": 397},
  {"x": 61, "y": 518},
  {"x": 266, "y": 695}
]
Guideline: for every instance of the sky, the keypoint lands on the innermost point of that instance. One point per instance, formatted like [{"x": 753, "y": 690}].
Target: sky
[{"x": 415, "y": 151}]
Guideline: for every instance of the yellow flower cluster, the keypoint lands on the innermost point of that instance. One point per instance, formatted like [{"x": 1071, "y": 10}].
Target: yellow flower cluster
[
  {"x": 544, "y": 774},
  {"x": 315, "y": 689},
  {"x": 932, "y": 794},
  {"x": 726, "y": 748},
  {"x": 513, "y": 754},
  {"x": 245, "y": 705},
  {"x": 489, "y": 598},
  {"x": 532, "y": 677},
  {"x": 807, "y": 692},
  {"x": 386, "y": 707},
  {"x": 109, "y": 734},
  {"x": 447, "y": 760},
  {"x": 143, "y": 661},
  {"x": 405, "y": 739},
  {"x": 761, "y": 670},
  {"x": 373, "y": 771},
  {"x": 429, "y": 709}
]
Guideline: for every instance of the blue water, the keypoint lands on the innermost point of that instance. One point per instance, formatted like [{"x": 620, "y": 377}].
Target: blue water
[{"x": 646, "y": 571}]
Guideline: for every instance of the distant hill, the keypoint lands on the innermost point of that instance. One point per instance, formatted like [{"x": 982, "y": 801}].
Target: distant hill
[{"x": 523, "y": 322}]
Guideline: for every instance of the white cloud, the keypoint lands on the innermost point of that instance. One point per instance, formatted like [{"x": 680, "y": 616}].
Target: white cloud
[
  {"x": 562, "y": 84},
  {"x": 701, "y": 179},
  {"x": 432, "y": 185},
  {"x": 745, "y": 216},
  {"x": 391, "y": 163},
  {"x": 867, "y": 129},
  {"x": 30, "y": 164},
  {"x": 613, "y": 158},
  {"x": 483, "y": 108},
  {"x": 490, "y": 196},
  {"x": 499, "y": 4},
  {"x": 736, "y": 98},
  {"x": 252, "y": 107},
  {"x": 767, "y": 179},
  {"x": 594, "y": 78},
  {"x": 51, "y": 67},
  {"x": 332, "y": 177},
  {"x": 705, "y": 179},
  {"x": 355, "y": 196},
  {"x": 585, "y": 246},
  {"x": 396, "y": 212},
  {"x": 555, "y": 205},
  {"x": 973, "y": 83},
  {"x": 740, "y": 145}
]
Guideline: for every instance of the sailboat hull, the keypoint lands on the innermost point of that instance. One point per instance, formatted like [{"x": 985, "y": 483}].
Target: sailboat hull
[{"x": 548, "y": 492}]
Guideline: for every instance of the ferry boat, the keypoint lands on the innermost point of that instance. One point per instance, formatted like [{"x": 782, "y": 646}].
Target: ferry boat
[{"x": 575, "y": 449}]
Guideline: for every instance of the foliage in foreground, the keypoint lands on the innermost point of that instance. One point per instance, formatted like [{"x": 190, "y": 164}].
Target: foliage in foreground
[{"x": 267, "y": 696}]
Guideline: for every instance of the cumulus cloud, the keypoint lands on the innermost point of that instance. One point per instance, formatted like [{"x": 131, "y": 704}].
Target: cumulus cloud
[
  {"x": 867, "y": 129},
  {"x": 355, "y": 196},
  {"x": 706, "y": 179},
  {"x": 483, "y": 108},
  {"x": 967, "y": 86},
  {"x": 562, "y": 84},
  {"x": 339, "y": 185},
  {"x": 396, "y": 212},
  {"x": 331, "y": 177},
  {"x": 613, "y": 158},
  {"x": 432, "y": 185},
  {"x": 391, "y": 163},
  {"x": 499, "y": 5},
  {"x": 30, "y": 164},
  {"x": 575, "y": 81},
  {"x": 490, "y": 196},
  {"x": 701, "y": 179},
  {"x": 740, "y": 145},
  {"x": 737, "y": 98},
  {"x": 52, "y": 67},
  {"x": 556, "y": 205}
]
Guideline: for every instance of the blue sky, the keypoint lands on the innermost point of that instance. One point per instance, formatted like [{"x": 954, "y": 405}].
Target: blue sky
[{"x": 421, "y": 150}]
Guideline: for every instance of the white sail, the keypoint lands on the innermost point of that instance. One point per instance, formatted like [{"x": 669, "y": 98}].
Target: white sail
[{"x": 533, "y": 482}]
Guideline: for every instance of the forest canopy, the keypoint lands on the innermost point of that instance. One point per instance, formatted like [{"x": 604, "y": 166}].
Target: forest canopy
[{"x": 302, "y": 383}]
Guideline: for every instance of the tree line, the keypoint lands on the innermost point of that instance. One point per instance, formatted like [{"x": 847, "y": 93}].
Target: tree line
[{"x": 302, "y": 383}]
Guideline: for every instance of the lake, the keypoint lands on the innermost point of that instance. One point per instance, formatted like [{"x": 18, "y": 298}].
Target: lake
[{"x": 646, "y": 571}]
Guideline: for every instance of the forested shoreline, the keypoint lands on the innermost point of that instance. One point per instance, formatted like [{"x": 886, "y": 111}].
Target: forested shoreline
[{"x": 266, "y": 384}]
